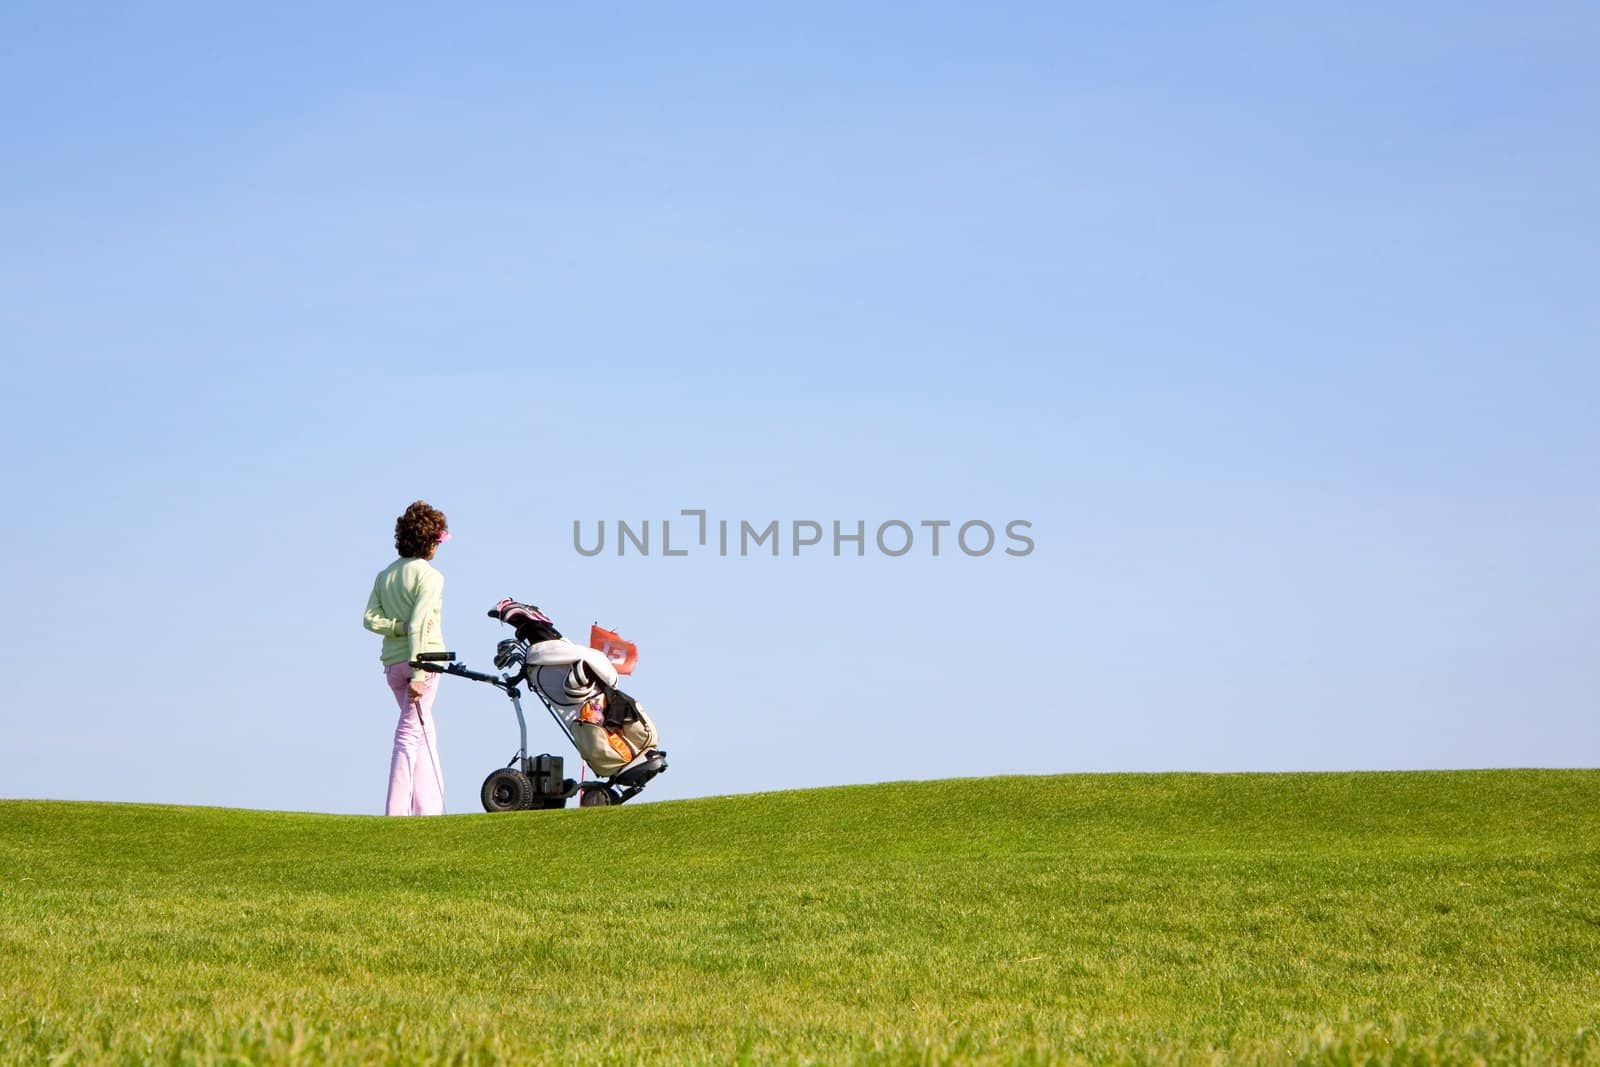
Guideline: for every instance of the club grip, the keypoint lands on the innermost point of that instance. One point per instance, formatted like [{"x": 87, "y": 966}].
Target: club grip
[{"x": 436, "y": 657}]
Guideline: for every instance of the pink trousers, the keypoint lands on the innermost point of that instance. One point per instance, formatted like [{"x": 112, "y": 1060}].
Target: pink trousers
[{"x": 416, "y": 781}]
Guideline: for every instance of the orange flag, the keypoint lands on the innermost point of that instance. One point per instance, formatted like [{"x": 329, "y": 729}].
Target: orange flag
[{"x": 622, "y": 654}]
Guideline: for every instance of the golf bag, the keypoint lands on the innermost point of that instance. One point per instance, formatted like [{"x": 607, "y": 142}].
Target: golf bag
[{"x": 610, "y": 729}]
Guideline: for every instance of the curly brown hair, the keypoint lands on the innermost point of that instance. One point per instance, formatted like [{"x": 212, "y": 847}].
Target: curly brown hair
[{"x": 416, "y": 533}]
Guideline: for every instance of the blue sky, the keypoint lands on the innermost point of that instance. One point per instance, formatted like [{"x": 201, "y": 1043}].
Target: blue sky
[{"x": 1279, "y": 325}]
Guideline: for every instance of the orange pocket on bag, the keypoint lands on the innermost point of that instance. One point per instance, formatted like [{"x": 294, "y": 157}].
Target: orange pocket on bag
[{"x": 620, "y": 746}]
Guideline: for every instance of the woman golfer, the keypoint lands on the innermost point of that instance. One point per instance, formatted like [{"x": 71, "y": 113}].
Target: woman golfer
[{"x": 404, "y": 608}]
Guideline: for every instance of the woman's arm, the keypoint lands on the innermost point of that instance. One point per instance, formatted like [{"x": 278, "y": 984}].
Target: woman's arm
[
  {"x": 379, "y": 623},
  {"x": 430, "y": 594}
]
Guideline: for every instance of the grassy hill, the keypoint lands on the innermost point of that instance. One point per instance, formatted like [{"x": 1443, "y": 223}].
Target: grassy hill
[{"x": 1162, "y": 919}]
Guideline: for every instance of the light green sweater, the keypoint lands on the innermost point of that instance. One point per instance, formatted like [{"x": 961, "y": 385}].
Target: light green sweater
[{"x": 404, "y": 608}]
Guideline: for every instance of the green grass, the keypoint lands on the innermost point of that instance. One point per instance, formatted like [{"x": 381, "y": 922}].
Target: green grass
[{"x": 1162, "y": 919}]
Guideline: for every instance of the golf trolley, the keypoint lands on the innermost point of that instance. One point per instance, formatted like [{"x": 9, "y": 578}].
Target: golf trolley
[{"x": 534, "y": 782}]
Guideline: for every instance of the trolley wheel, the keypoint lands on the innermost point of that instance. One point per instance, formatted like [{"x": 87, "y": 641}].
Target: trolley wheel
[
  {"x": 506, "y": 790},
  {"x": 596, "y": 796}
]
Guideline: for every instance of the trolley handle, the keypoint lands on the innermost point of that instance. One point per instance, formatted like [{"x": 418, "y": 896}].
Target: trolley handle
[{"x": 428, "y": 661}]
